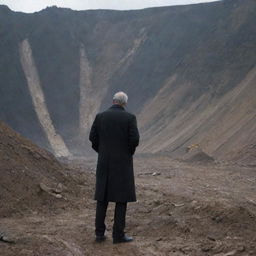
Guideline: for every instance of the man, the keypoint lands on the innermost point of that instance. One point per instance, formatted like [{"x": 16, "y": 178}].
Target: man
[{"x": 114, "y": 136}]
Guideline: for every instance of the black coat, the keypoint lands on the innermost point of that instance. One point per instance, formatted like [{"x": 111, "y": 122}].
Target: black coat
[{"x": 114, "y": 135}]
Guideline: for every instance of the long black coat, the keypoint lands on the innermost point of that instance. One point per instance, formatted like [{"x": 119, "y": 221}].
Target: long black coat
[{"x": 114, "y": 135}]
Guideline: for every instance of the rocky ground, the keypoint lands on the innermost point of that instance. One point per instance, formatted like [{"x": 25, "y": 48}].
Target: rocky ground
[{"x": 183, "y": 208}]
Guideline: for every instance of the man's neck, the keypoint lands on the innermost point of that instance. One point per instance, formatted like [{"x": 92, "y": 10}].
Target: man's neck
[{"x": 120, "y": 105}]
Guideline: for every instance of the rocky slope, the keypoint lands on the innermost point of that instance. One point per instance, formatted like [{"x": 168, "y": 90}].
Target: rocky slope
[{"x": 189, "y": 72}]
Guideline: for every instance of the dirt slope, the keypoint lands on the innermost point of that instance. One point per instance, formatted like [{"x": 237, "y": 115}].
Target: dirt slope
[
  {"x": 32, "y": 180},
  {"x": 189, "y": 72}
]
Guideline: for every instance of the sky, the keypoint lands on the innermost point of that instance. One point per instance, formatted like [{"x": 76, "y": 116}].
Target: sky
[{"x": 37, "y": 5}]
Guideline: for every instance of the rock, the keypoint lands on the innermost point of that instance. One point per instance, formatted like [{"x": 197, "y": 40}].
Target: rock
[
  {"x": 218, "y": 219},
  {"x": 44, "y": 187},
  {"x": 177, "y": 205},
  {"x": 58, "y": 189},
  {"x": 157, "y": 202},
  {"x": 52, "y": 191},
  {"x": 4, "y": 238},
  {"x": 211, "y": 238},
  {"x": 241, "y": 248},
  {"x": 230, "y": 253}
]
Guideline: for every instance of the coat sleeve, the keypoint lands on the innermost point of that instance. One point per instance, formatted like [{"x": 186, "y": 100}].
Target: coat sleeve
[
  {"x": 94, "y": 135},
  {"x": 134, "y": 136}
]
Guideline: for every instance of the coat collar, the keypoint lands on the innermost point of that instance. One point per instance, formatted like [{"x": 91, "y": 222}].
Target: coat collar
[{"x": 117, "y": 106}]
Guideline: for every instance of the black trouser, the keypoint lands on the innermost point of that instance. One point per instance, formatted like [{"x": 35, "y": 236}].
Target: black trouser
[{"x": 119, "y": 219}]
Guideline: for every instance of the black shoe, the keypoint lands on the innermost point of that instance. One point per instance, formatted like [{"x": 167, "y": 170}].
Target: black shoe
[
  {"x": 100, "y": 239},
  {"x": 124, "y": 239}
]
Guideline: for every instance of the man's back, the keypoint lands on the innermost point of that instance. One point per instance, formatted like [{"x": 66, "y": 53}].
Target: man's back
[
  {"x": 117, "y": 131},
  {"x": 115, "y": 136}
]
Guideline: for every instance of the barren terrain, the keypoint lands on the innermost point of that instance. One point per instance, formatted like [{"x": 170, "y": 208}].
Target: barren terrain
[
  {"x": 183, "y": 209},
  {"x": 190, "y": 75}
]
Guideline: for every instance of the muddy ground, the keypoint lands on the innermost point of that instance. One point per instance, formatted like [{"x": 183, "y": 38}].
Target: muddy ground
[{"x": 183, "y": 208}]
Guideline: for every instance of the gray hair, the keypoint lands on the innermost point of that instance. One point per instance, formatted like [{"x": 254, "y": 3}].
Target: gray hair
[{"x": 120, "y": 98}]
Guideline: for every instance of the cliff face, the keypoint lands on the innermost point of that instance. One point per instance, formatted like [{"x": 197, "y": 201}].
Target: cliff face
[{"x": 189, "y": 72}]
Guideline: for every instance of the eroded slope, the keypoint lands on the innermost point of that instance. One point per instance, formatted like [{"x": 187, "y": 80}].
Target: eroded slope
[{"x": 189, "y": 72}]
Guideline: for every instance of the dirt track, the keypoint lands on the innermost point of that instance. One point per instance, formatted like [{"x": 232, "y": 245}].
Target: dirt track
[{"x": 182, "y": 209}]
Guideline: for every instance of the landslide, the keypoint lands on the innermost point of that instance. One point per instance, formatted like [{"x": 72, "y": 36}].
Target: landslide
[{"x": 189, "y": 72}]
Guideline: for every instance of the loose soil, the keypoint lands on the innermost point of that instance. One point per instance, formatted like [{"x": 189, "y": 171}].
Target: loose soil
[{"x": 183, "y": 208}]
